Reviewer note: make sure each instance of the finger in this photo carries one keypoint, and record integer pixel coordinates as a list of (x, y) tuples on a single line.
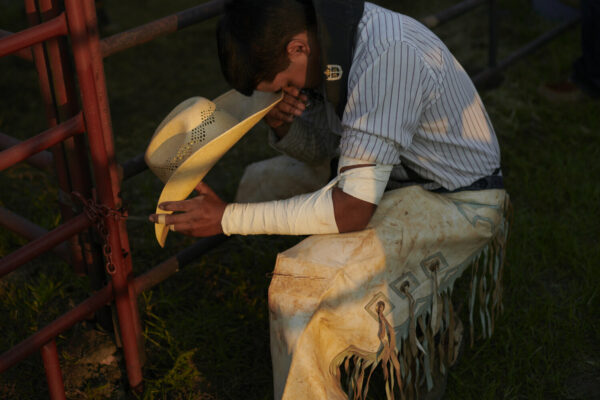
[(296, 108), (301, 95), (175, 219), (272, 118), (203, 189), (278, 114), (273, 122), (292, 90), (182, 227), (297, 101), (303, 98), (157, 218), (184, 205), (299, 104), (207, 194)]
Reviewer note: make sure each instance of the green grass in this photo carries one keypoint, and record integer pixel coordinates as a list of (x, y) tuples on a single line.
[(206, 328)]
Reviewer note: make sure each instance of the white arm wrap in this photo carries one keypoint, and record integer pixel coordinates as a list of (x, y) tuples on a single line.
[(310, 213), (307, 214), (364, 183)]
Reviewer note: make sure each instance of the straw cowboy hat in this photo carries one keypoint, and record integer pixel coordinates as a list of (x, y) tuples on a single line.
[(194, 136)]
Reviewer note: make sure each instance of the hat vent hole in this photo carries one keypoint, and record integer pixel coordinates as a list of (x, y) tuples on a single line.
[(199, 132), (198, 135)]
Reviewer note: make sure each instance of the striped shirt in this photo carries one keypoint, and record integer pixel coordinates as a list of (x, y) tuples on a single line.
[(410, 103)]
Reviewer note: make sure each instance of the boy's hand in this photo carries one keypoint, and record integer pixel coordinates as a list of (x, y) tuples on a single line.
[(292, 105), (199, 216)]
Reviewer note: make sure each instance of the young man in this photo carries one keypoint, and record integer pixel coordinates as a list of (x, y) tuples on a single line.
[(406, 116), (412, 112)]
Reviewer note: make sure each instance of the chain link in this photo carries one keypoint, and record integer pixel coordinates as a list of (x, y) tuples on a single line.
[(98, 213)]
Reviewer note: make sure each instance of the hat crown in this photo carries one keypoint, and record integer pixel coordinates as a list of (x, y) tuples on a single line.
[(187, 128)]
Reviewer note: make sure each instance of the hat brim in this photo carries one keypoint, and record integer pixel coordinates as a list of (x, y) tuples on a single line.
[(248, 110)]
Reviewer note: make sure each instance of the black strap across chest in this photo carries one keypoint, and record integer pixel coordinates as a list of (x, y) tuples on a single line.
[(337, 21)]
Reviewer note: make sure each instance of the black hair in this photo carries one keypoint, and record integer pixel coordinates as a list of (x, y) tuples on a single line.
[(252, 39)]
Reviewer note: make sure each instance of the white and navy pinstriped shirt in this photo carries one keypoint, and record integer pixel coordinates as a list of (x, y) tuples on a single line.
[(409, 103)]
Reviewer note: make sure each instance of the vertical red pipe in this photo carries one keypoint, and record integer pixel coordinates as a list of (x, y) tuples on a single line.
[(40, 64), (75, 161), (88, 84), (102, 98), (67, 104), (54, 378), (89, 10), (60, 165), (65, 100)]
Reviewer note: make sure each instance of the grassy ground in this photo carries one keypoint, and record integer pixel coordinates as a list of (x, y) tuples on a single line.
[(206, 328)]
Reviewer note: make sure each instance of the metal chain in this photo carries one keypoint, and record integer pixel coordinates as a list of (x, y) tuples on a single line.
[(97, 213)]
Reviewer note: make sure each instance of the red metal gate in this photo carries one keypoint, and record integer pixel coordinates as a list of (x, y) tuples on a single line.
[(97, 205)]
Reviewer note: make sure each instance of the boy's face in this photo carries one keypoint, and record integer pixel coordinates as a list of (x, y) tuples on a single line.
[(294, 75), (302, 72)]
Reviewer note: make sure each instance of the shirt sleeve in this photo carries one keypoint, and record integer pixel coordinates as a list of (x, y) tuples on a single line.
[(310, 138), (387, 92)]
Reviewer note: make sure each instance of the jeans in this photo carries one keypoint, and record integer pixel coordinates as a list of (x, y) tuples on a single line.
[(586, 70)]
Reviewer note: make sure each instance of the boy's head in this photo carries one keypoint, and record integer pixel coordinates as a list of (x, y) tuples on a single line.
[(257, 39)]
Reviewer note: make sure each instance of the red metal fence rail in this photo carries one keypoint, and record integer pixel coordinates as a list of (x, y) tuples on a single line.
[(90, 198)]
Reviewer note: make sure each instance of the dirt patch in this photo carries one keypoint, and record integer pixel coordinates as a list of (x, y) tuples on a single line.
[(92, 367)]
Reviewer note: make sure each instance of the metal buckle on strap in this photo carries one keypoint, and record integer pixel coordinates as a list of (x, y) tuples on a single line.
[(333, 72)]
